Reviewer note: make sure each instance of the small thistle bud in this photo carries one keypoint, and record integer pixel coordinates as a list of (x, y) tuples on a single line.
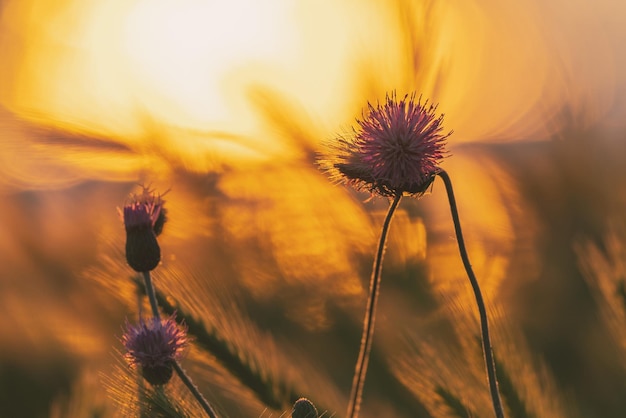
[(303, 408), (395, 149), (154, 345), (144, 219)]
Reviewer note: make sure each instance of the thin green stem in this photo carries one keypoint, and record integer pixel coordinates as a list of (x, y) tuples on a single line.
[(179, 370), (194, 390), (370, 316), (141, 392), (484, 325), (151, 294)]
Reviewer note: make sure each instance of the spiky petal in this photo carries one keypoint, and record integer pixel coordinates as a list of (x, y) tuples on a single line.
[(395, 148), (153, 345)]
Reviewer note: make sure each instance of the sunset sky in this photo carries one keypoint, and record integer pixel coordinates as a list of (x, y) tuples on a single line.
[(225, 108)]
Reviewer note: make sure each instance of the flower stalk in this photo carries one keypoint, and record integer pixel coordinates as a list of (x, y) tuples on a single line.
[(151, 294), (484, 324), (370, 316), (184, 377)]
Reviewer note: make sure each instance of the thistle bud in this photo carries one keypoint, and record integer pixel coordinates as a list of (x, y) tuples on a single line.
[(144, 218), (303, 408)]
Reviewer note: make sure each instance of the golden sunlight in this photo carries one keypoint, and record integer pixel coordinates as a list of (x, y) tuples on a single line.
[(226, 107), (106, 66), (183, 78), (179, 55)]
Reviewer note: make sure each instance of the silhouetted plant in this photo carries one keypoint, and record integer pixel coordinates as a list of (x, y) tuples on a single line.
[(394, 151)]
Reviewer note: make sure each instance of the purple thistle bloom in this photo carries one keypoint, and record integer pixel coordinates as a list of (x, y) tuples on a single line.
[(144, 218), (154, 345), (396, 148), (145, 210)]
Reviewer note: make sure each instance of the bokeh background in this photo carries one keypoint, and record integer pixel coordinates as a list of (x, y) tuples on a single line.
[(226, 105)]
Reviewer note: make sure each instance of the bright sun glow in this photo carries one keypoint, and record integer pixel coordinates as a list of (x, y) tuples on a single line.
[(182, 52), (185, 77), (197, 79)]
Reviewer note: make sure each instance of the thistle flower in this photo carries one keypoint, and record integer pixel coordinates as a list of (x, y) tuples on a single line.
[(154, 345), (395, 149), (144, 219)]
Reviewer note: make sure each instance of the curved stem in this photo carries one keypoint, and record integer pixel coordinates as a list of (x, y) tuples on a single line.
[(370, 315), (151, 295), (484, 325), (179, 370), (141, 392), (194, 390)]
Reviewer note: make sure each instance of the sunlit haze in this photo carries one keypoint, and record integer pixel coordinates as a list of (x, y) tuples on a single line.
[(500, 72), (226, 108)]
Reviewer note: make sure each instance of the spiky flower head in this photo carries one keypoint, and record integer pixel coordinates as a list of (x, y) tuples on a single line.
[(153, 345), (144, 218), (396, 148)]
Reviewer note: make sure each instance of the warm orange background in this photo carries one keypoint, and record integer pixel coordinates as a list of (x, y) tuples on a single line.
[(227, 105)]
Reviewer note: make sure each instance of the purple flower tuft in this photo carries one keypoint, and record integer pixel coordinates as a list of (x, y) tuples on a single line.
[(144, 211), (154, 345), (396, 148)]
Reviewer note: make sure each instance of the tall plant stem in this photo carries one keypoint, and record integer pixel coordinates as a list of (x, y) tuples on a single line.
[(484, 325), (151, 294), (179, 370), (370, 316), (194, 390)]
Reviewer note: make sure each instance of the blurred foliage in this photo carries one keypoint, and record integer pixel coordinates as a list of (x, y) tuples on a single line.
[(269, 261)]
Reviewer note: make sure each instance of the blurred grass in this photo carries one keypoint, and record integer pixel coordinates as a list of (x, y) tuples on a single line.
[(554, 307), (271, 261)]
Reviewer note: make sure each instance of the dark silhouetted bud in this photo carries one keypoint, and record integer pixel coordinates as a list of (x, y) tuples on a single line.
[(144, 218), (303, 408)]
